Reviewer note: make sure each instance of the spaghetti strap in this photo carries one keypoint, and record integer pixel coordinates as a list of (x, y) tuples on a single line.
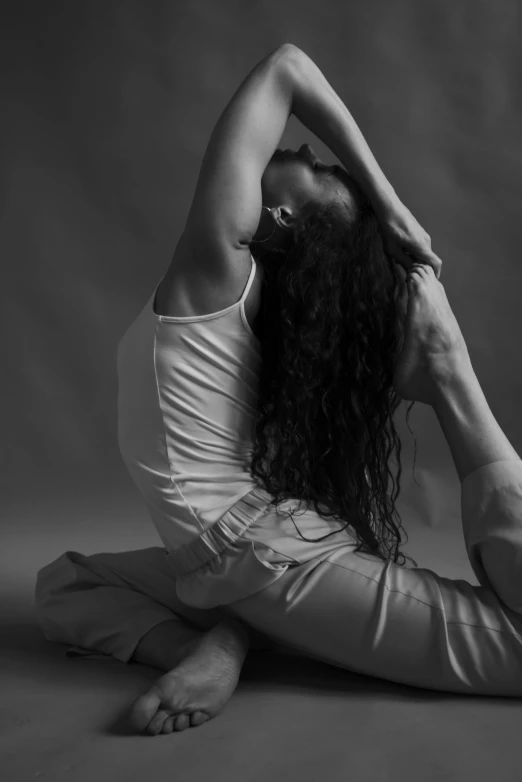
[(250, 281)]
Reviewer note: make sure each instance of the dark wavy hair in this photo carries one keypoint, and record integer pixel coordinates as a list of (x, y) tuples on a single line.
[(331, 328)]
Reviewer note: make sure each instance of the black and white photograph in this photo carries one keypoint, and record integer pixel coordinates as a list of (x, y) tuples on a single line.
[(262, 431)]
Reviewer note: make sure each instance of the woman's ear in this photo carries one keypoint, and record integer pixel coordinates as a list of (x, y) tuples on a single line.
[(283, 216)]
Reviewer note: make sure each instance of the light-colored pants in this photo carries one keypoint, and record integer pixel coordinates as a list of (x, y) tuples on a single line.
[(320, 599)]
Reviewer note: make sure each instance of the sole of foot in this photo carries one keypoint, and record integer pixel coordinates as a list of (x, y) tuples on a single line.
[(194, 691)]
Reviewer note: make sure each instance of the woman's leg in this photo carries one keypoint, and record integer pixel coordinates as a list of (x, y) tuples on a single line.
[(490, 472), (436, 363), (108, 602), (412, 625), (471, 430), (125, 605)]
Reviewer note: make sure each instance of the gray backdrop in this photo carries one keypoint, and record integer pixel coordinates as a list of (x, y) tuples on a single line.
[(107, 111)]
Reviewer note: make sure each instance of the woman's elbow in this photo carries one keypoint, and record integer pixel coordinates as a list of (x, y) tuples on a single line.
[(289, 51)]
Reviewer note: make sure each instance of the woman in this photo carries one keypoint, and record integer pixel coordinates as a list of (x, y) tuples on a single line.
[(256, 394)]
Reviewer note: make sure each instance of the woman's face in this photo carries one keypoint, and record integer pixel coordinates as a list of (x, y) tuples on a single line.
[(295, 178)]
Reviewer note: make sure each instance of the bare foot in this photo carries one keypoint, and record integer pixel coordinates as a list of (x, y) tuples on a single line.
[(198, 688), (434, 348)]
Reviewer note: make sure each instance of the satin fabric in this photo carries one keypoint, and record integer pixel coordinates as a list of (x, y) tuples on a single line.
[(316, 599)]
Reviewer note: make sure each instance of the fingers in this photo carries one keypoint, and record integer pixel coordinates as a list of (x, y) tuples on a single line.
[(420, 270), (434, 262), (417, 274), (429, 260)]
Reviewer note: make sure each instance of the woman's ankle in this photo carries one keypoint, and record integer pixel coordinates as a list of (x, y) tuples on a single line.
[(473, 434)]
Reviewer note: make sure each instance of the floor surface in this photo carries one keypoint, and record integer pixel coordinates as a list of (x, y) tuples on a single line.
[(290, 719)]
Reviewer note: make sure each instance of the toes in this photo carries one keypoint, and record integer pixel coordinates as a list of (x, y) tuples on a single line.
[(144, 709), (168, 725), (156, 724), (182, 722), (198, 718)]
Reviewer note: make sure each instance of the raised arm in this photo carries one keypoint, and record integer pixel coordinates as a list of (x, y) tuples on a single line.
[(226, 208), (227, 201)]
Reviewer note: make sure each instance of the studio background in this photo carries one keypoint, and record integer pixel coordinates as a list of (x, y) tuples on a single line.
[(108, 108)]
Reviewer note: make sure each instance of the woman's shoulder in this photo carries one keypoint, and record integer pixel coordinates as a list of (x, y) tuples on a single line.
[(199, 281)]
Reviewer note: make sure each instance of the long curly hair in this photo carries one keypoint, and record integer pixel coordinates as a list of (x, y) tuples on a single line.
[(332, 328)]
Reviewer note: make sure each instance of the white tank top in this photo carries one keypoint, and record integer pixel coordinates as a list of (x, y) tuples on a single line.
[(187, 404)]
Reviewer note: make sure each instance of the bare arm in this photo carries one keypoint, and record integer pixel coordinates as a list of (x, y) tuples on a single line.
[(227, 203), (316, 104)]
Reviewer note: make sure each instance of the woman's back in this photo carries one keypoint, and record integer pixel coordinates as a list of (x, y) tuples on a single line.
[(187, 405)]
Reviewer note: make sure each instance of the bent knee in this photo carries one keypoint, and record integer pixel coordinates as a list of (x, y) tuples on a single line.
[(52, 582)]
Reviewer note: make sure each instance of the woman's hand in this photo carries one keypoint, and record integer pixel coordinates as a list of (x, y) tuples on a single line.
[(406, 241)]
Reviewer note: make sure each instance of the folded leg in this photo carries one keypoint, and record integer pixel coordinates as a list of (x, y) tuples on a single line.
[(108, 602)]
